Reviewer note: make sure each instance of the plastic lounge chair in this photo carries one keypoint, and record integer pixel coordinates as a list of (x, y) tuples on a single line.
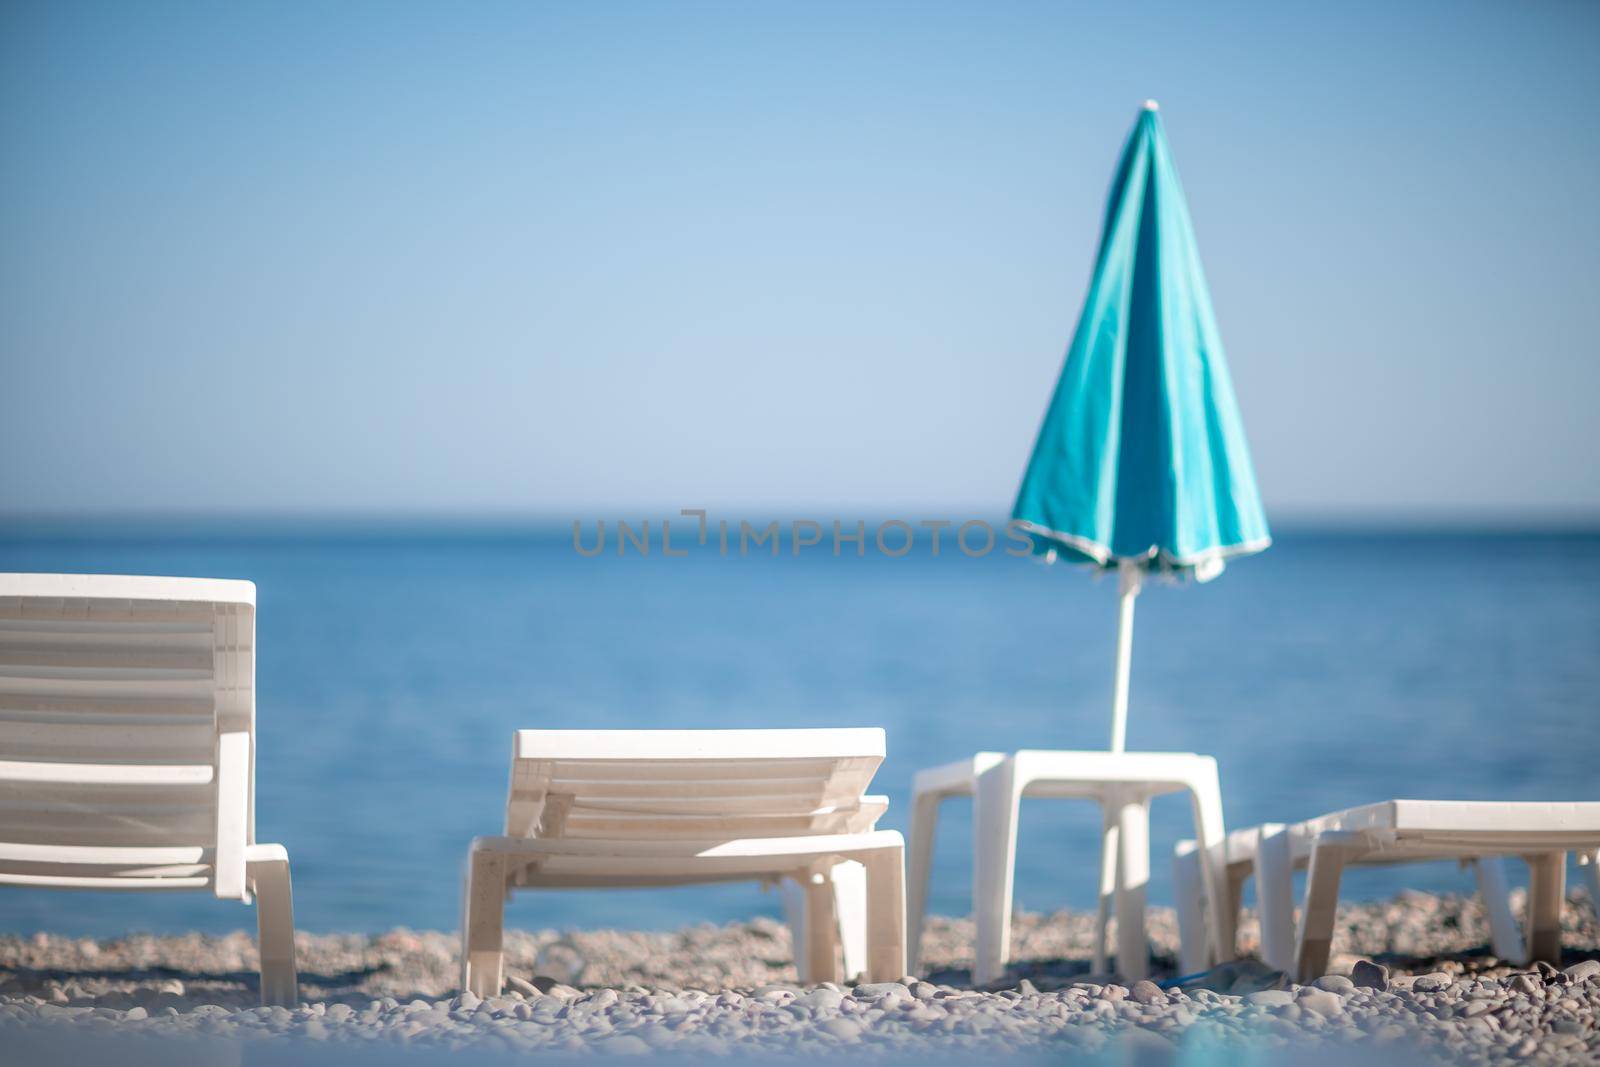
[(1249, 849), (1400, 831), (1123, 783), (127, 745), (598, 808)]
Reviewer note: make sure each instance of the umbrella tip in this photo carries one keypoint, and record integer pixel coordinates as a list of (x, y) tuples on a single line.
[(1151, 105)]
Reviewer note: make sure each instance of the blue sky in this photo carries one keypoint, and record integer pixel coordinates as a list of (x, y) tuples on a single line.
[(565, 259)]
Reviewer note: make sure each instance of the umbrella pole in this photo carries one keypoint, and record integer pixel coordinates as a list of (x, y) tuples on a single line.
[(1129, 578)]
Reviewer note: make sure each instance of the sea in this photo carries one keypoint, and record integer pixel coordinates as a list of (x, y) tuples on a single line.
[(1340, 667)]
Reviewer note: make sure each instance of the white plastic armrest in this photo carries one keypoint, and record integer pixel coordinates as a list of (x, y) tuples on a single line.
[(867, 815)]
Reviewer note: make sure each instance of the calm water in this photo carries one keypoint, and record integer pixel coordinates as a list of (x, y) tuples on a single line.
[(1334, 670)]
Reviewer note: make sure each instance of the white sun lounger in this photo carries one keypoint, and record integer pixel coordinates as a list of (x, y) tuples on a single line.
[(1399, 831), (598, 808), (127, 745)]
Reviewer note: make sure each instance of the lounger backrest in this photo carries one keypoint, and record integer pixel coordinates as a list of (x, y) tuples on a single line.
[(127, 719), (695, 784)]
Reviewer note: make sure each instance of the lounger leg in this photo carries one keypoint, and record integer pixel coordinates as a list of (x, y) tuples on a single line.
[(1109, 839), (1133, 869), (1548, 876), (924, 821), (1590, 864), (483, 924), (792, 894), (822, 933), (850, 904), (1328, 858), (886, 914), (1274, 872), (269, 877), (1504, 937), (1234, 895), (1222, 910), (1186, 886), (994, 866)]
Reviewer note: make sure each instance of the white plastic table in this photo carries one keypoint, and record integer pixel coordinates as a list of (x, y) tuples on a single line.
[(1123, 783)]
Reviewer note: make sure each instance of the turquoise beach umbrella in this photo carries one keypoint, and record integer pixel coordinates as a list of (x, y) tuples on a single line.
[(1141, 464)]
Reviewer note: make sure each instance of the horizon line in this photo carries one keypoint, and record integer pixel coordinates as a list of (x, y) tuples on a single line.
[(45, 524)]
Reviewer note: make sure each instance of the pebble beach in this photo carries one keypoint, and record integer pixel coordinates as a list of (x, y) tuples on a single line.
[(1410, 973)]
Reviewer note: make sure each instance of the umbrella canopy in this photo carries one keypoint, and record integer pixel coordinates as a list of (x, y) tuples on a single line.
[(1141, 463), (1141, 460)]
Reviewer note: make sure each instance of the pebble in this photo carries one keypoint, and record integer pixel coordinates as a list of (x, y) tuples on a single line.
[(1321, 1001), (523, 986), (873, 990), (1368, 975), (1431, 983), (823, 1000), (1147, 992), (1586, 971)]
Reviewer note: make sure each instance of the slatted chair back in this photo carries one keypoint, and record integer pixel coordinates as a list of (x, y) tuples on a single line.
[(692, 784), (127, 732)]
